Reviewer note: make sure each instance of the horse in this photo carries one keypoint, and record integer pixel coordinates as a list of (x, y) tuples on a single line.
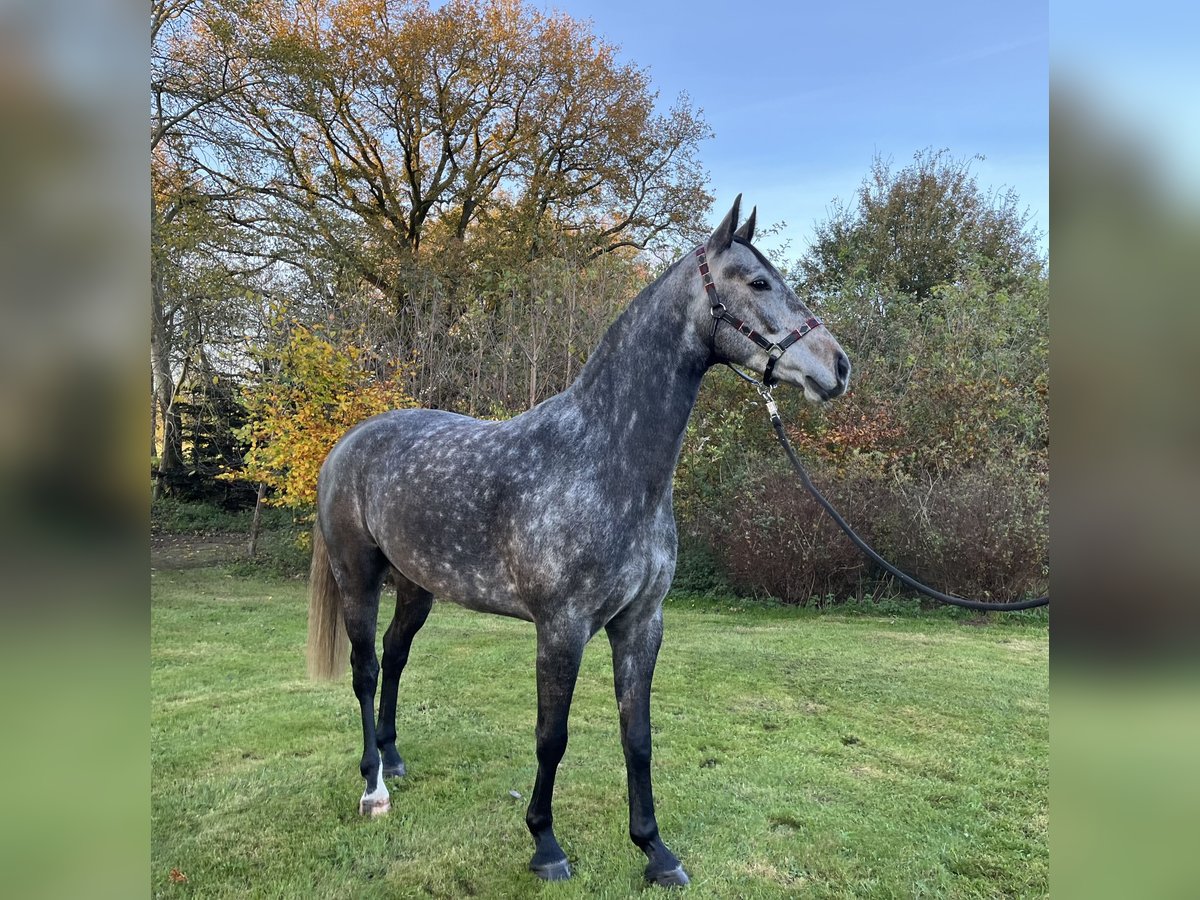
[(561, 516)]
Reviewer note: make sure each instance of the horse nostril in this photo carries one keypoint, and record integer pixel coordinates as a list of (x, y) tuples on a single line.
[(843, 367)]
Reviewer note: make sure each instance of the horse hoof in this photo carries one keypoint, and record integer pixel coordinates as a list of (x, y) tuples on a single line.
[(374, 808), (552, 871), (394, 771), (675, 877)]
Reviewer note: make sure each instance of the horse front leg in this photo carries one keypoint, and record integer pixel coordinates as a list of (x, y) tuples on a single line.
[(635, 638), (560, 650)]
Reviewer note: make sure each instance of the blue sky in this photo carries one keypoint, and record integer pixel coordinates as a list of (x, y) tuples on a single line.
[(802, 96)]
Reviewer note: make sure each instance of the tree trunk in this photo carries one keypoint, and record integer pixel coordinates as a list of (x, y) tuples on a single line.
[(170, 456), (254, 523)]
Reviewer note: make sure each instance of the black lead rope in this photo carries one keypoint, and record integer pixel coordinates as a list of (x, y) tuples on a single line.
[(953, 600)]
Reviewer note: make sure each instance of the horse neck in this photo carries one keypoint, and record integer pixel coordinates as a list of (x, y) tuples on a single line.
[(640, 384)]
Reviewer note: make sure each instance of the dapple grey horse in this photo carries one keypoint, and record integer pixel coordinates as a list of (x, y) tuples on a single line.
[(560, 516)]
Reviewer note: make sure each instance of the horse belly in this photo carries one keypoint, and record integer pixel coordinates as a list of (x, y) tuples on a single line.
[(453, 546), (455, 563), (470, 585)]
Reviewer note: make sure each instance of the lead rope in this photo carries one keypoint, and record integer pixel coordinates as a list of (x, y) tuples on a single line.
[(777, 422)]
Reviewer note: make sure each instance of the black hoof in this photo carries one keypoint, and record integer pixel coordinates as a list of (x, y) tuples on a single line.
[(675, 877), (551, 871), (396, 771)]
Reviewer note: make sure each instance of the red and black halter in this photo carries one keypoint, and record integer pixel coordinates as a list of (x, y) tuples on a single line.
[(720, 314)]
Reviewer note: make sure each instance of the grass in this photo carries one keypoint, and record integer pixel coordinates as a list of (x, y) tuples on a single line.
[(796, 754)]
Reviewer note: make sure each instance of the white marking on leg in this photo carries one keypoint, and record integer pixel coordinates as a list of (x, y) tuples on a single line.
[(375, 802)]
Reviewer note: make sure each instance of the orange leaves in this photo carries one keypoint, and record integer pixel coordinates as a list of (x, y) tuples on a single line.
[(863, 431), (421, 123), (315, 392)]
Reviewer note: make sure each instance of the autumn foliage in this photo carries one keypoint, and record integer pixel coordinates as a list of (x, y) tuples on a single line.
[(312, 394)]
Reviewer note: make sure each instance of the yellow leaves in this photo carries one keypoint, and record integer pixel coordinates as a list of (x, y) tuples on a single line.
[(316, 392)]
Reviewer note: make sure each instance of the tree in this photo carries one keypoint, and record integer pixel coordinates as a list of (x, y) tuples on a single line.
[(194, 280), (910, 231), (392, 116), (940, 294), (190, 270), (310, 393), (465, 189)]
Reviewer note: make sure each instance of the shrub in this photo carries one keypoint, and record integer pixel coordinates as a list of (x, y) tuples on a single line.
[(981, 534), (174, 516), (285, 551), (312, 394), (697, 570)]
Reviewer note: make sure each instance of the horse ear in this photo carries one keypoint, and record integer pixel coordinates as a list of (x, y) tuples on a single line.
[(746, 231), (723, 236)]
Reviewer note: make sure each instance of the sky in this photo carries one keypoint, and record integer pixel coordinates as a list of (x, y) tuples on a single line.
[(803, 96)]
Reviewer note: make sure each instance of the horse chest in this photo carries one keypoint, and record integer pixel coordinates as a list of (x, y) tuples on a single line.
[(601, 550)]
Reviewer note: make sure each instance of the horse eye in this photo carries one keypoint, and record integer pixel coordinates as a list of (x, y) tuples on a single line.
[(760, 284)]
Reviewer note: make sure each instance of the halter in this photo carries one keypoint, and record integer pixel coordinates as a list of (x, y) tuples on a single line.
[(720, 314)]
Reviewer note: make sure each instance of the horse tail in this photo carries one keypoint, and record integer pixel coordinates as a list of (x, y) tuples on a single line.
[(328, 645)]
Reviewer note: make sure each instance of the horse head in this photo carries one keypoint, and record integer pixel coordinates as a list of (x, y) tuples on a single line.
[(757, 321)]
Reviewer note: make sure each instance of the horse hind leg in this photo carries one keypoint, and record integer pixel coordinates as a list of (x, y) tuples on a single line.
[(413, 603), (359, 572)]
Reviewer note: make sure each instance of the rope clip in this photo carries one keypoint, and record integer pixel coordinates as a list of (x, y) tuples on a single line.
[(772, 409)]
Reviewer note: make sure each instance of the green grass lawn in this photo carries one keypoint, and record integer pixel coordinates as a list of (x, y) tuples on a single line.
[(796, 754)]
